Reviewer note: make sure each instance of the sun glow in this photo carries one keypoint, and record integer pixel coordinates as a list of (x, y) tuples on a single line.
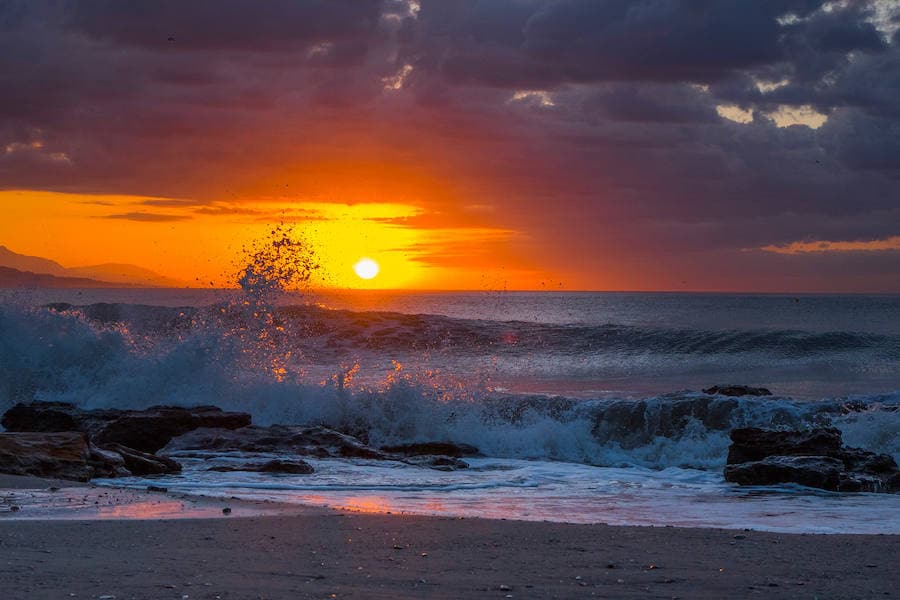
[(366, 268), (200, 243)]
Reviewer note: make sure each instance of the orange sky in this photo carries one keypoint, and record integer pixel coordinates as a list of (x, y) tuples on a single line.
[(203, 246), (463, 145)]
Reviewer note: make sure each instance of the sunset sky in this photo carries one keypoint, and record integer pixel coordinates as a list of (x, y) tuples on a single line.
[(520, 144)]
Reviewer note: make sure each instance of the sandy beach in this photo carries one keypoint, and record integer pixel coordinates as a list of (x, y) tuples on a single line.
[(320, 553)]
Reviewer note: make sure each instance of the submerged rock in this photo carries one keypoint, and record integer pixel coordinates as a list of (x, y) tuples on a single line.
[(750, 443), (812, 471), (815, 458), (436, 462), (293, 467), (143, 463), (441, 456), (635, 423), (315, 441), (107, 463), (433, 448), (144, 430), (737, 390)]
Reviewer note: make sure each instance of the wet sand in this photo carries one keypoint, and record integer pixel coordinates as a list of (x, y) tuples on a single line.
[(319, 553), (32, 498)]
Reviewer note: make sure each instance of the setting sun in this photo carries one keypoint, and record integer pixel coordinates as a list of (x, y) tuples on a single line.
[(366, 268)]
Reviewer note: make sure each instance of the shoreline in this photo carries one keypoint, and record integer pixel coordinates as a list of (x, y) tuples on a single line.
[(315, 552), (28, 498)]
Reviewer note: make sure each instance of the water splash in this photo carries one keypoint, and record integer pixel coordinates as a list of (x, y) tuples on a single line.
[(281, 262), (407, 377)]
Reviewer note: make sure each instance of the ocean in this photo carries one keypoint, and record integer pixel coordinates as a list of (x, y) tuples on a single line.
[(587, 407)]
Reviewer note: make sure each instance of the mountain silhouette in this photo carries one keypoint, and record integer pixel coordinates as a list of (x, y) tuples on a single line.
[(103, 274)]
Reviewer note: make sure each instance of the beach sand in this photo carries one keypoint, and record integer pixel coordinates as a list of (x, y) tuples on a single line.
[(320, 553)]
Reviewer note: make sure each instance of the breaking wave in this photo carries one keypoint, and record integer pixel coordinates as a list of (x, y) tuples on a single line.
[(301, 364)]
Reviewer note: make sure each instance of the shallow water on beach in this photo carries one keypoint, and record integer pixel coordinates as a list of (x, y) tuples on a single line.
[(542, 491), (105, 503)]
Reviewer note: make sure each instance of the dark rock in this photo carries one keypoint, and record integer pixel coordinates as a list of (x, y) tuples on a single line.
[(359, 432), (856, 459), (634, 423), (861, 482), (143, 463), (43, 416), (439, 463), (737, 390), (813, 471), (71, 455), (813, 458), (434, 448), (151, 430), (58, 455), (892, 482), (751, 444), (145, 430), (107, 463), (294, 467), (315, 441), (53, 417)]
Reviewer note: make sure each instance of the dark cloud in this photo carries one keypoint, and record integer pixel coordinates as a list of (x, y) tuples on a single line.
[(143, 217), (654, 103), (590, 126), (225, 24), (550, 43)]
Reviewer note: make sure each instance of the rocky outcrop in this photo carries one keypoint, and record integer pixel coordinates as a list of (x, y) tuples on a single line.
[(441, 456), (66, 455), (812, 471), (436, 462), (69, 455), (60, 440), (433, 448), (293, 467), (815, 458), (737, 390), (634, 423), (750, 443), (106, 463), (143, 464), (143, 430), (122, 442), (316, 441)]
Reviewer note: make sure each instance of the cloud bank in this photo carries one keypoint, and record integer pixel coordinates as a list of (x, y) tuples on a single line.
[(651, 144)]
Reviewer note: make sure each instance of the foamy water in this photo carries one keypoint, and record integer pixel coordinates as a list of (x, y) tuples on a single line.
[(544, 491)]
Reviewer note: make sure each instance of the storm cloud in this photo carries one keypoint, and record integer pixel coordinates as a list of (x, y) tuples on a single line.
[(652, 144)]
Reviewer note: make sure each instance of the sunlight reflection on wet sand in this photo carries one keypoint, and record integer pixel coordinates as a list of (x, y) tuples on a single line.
[(115, 503)]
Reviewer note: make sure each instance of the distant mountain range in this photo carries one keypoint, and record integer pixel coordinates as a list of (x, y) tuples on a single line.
[(42, 272), (14, 278)]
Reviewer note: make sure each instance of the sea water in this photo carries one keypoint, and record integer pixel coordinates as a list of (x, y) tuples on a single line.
[(586, 406)]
